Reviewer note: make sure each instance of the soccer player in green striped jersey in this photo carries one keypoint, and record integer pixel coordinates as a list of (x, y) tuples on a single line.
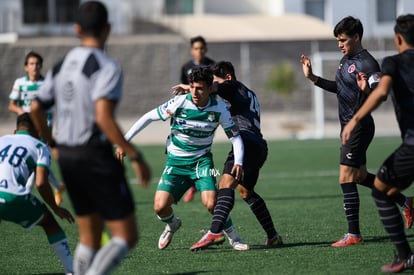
[(21, 155), (23, 92), (195, 118)]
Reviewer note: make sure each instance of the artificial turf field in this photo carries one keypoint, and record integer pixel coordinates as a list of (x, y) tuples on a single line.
[(299, 185)]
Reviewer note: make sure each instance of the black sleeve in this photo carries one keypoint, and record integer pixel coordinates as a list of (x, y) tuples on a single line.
[(327, 85), (388, 66)]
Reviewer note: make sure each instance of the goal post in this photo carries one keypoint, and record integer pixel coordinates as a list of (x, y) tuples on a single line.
[(318, 59)]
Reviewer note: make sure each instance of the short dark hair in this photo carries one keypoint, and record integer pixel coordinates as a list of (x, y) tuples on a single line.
[(404, 25), (24, 121), (92, 17), (222, 68), (198, 38), (35, 55), (349, 26), (201, 74)]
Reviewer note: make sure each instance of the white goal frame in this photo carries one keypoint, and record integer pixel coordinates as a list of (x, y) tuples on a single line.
[(318, 59)]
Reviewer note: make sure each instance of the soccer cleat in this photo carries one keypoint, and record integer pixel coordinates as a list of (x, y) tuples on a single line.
[(409, 213), (239, 245), (207, 240), (189, 195), (347, 240), (275, 241), (58, 194), (399, 265), (168, 233)]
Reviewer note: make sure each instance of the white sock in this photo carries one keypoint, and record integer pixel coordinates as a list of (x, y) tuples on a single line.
[(171, 220), (231, 233), (108, 257), (83, 258), (62, 250)]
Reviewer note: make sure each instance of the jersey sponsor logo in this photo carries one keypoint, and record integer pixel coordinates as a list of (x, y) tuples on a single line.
[(349, 156), (351, 68), (211, 116), (181, 121)]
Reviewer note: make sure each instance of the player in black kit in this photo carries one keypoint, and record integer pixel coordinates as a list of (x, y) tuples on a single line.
[(199, 58), (352, 169), (396, 173), (245, 111)]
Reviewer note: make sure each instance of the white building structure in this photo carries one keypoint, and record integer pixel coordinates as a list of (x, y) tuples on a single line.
[(55, 17)]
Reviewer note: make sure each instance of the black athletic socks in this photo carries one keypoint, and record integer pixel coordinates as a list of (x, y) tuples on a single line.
[(392, 221), (259, 208), (225, 203), (351, 206)]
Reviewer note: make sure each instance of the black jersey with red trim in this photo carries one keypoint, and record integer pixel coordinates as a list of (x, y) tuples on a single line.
[(400, 68), (350, 97), (244, 107)]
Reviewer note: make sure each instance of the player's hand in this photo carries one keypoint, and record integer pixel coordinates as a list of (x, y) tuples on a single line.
[(238, 172), (348, 129), (180, 89), (306, 66), (119, 154), (361, 79), (142, 171), (63, 213)]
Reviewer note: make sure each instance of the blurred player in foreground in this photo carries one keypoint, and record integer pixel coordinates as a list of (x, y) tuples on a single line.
[(24, 91), (352, 168), (195, 118), (22, 155), (396, 173), (86, 86)]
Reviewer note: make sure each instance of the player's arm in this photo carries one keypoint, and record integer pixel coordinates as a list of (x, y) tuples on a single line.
[(180, 89), (39, 118), (46, 192), (367, 83), (372, 102), (325, 84), (238, 150), (104, 109), (14, 107), (141, 123), (14, 97)]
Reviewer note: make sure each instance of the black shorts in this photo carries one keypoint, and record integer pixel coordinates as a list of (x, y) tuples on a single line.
[(398, 169), (255, 154), (354, 151), (95, 181)]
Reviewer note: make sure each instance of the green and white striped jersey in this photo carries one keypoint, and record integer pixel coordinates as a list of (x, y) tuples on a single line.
[(193, 128), (24, 91), (20, 154)]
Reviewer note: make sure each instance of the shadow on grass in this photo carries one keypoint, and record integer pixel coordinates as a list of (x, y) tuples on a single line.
[(192, 272), (311, 197), (367, 239)]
